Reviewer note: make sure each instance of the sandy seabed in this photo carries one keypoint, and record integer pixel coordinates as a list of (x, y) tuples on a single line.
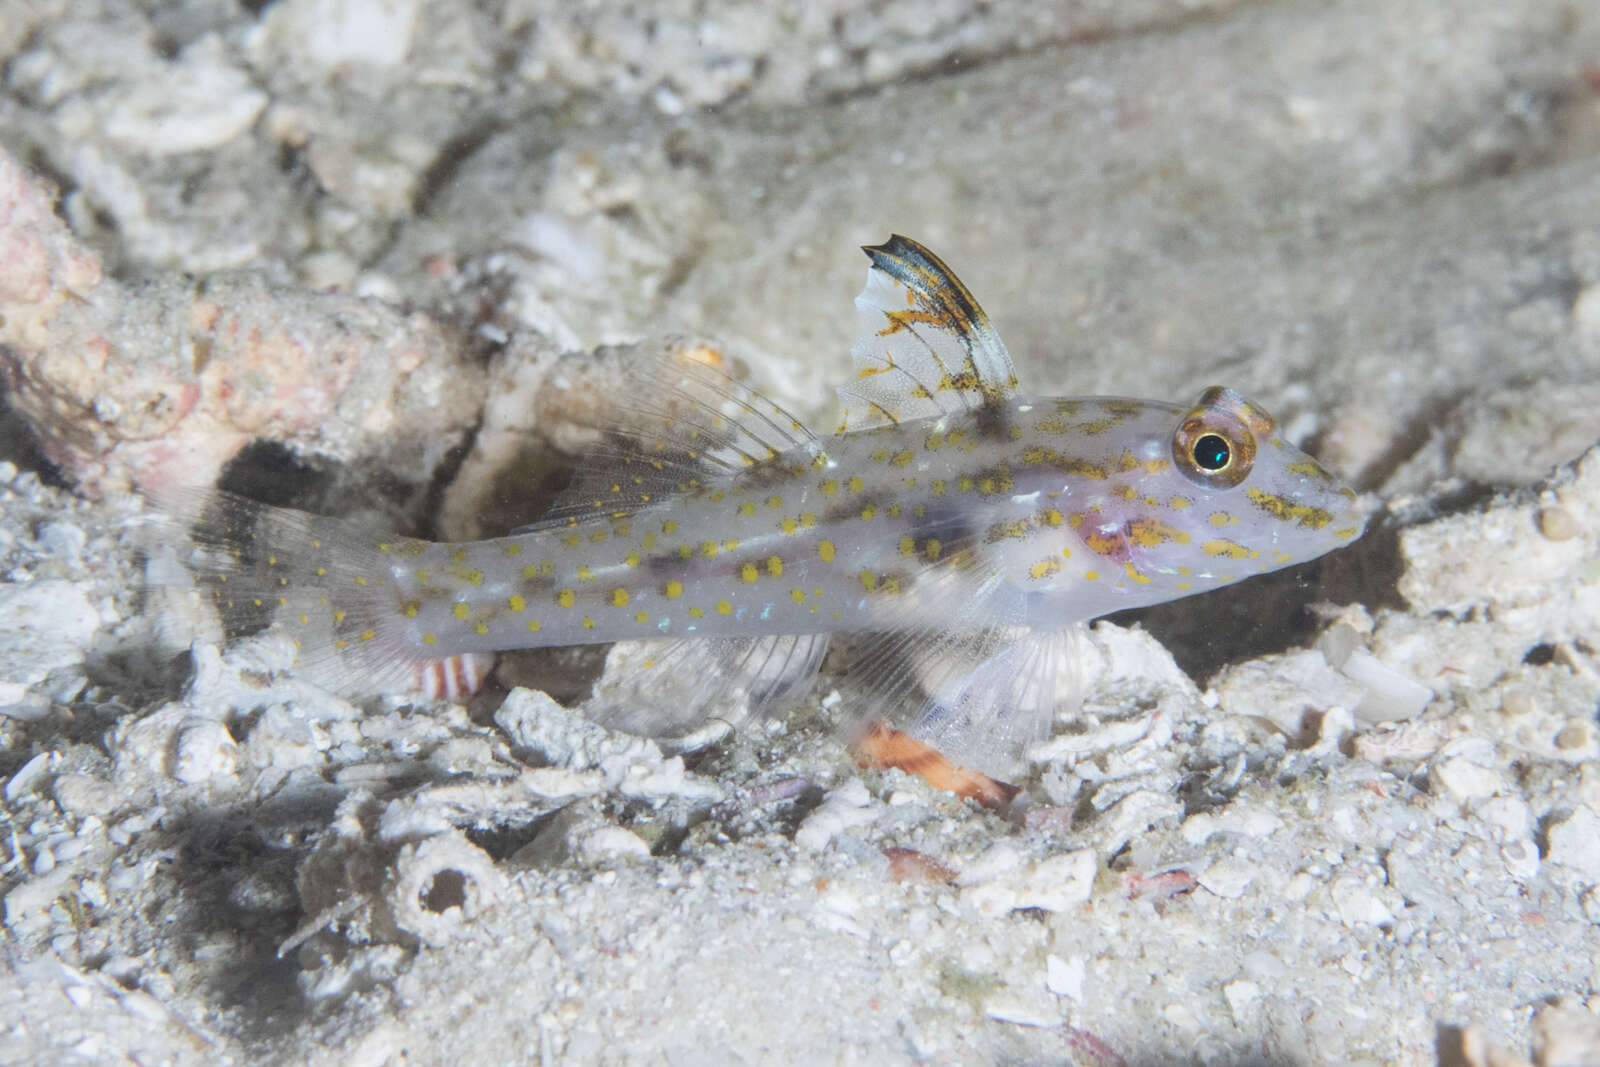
[(337, 252)]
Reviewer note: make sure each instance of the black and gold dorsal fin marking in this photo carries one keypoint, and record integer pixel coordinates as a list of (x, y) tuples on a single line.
[(926, 348)]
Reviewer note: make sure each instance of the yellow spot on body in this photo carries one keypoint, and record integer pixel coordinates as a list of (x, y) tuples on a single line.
[(631, 559), (530, 571), (669, 527), (903, 458), (515, 602), (774, 502), (775, 566), (730, 545), (641, 616), (360, 580), (598, 536), (1184, 586), (748, 508), (512, 548), (1222, 518), (932, 548), (384, 546), (869, 581), (685, 551), (588, 623), (965, 483), (460, 610), (869, 512), (1231, 549), (1152, 532), (566, 598), (724, 608), (1044, 568), (673, 590), (584, 573), (459, 556), (1309, 468), (481, 628), (533, 626), (1134, 573), (428, 639), (825, 551), (880, 456), (797, 595), (1126, 492), (1310, 517), (1050, 517), (1092, 576), (475, 577), (697, 613), (648, 541), (619, 598), (937, 486), (788, 526), (573, 540), (305, 620), (708, 549), (808, 519), (856, 484), (748, 572), (410, 610), (1157, 466), (829, 487), (1178, 503), (1344, 533), (908, 546), (338, 616)]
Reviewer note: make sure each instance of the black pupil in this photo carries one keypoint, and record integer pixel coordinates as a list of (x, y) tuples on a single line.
[(1211, 453)]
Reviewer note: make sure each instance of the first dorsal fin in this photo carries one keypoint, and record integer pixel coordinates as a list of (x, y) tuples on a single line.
[(926, 348)]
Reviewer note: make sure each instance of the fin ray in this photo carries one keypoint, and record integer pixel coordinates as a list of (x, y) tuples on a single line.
[(678, 418)]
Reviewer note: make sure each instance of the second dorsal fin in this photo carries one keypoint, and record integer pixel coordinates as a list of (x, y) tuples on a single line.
[(676, 419), (926, 346)]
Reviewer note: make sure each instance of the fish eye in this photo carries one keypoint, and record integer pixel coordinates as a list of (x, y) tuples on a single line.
[(1211, 453), (1214, 447)]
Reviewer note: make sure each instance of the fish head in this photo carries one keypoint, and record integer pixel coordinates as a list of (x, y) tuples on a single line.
[(1170, 502)]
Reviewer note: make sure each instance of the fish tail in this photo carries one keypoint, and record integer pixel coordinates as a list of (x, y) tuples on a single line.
[(325, 583)]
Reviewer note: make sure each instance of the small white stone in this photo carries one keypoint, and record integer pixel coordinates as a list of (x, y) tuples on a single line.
[(1241, 997), (205, 750), (1356, 903), (611, 843), (998, 860), (1463, 780), (1240, 817), (1575, 843), (1058, 883), (1228, 877), (846, 806), (1509, 818), (1065, 978)]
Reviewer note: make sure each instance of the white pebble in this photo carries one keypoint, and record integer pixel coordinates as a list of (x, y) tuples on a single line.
[(1228, 877), (1463, 780), (611, 843), (1575, 843), (205, 751), (1065, 978)]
